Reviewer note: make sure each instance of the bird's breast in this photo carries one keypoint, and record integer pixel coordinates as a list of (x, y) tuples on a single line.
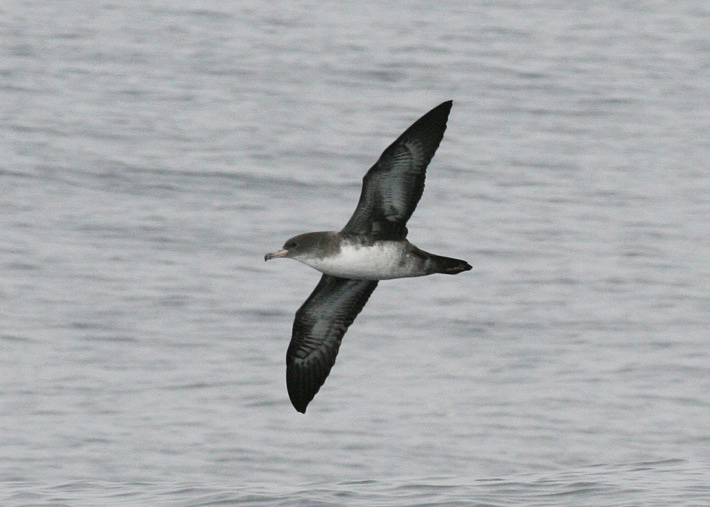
[(382, 260)]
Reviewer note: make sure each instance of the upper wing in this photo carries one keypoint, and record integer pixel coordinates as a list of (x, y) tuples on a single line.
[(392, 188), (318, 329)]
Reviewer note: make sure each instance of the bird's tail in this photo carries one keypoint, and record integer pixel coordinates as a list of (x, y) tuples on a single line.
[(448, 265)]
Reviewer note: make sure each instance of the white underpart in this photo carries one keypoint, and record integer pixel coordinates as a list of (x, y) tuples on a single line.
[(385, 260)]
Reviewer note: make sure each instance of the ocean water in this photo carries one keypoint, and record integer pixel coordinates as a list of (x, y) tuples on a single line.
[(152, 152)]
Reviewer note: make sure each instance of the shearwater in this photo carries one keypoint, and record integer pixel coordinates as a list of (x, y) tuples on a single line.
[(372, 246)]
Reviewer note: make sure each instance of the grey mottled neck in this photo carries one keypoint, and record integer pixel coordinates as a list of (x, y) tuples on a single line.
[(322, 244)]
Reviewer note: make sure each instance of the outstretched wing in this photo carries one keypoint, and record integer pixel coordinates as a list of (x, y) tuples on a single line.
[(392, 188), (318, 329)]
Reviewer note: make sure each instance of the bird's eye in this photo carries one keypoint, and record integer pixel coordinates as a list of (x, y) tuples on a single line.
[(291, 244)]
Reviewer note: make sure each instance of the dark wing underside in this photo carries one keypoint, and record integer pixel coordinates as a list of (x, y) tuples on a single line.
[(392, 188), (318, 329)]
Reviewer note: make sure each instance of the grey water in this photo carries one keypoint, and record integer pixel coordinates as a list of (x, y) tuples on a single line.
[(152, 152)]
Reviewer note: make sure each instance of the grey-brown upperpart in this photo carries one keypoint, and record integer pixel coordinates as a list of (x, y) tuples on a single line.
[(372, 246), (319, 244)]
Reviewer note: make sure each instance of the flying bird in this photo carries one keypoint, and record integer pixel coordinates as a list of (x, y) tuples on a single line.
[(371, 247)]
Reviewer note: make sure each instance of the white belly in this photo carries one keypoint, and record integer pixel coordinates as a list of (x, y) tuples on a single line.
[(384, 260)]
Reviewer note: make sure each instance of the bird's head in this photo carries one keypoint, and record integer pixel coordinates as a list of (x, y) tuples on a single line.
[(298, 247)]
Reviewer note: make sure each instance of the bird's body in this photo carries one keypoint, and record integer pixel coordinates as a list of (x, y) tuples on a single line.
[(379, 260), (359, 257), (371, 247)]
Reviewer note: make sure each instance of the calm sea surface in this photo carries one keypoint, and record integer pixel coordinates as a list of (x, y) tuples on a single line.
[(152, 152)]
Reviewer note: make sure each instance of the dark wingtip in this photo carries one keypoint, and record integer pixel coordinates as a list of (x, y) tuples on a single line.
[(444, 106), (299, 394), (429, 130), (299, 405)]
